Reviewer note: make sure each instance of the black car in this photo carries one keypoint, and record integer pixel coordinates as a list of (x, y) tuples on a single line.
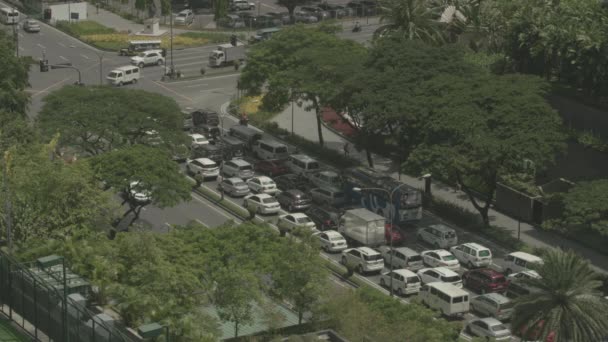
[(294, 200), (291, 181), (324, 219), (205, 117)]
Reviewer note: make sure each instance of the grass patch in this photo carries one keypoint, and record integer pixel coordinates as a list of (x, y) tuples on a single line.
[(84, 28), (212, 37)]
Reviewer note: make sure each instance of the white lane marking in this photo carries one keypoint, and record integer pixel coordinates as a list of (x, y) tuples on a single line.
[(197, 85), (84, 56), (213, 207), (41, 46), (211, 90), (60, 43), (65, 59), (200, 222)]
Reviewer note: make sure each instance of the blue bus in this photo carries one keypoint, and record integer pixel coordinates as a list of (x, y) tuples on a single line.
[(407, 201)]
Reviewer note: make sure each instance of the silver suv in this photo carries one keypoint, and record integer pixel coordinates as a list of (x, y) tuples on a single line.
[(185, 17), (150, 57)]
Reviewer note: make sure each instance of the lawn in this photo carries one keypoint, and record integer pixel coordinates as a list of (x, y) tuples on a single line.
[(9, 334), (107, 38)]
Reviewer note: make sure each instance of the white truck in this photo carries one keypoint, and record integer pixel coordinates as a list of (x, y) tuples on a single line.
[(226, 54), (363, 226)]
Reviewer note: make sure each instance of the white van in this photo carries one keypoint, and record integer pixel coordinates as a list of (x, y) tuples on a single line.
[(123, 75), (9, 16), (237, 168), (472, 254), (520, 261), (269, 149), (445, 297), (301, 163), (438, 235)]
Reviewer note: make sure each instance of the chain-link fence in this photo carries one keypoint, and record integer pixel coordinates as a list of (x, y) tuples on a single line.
[(31, 294)]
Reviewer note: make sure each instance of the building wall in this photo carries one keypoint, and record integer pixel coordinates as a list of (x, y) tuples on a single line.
[(61, 11)]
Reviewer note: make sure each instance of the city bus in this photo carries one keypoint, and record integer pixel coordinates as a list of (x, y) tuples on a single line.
[(9, 16), (406, 205)]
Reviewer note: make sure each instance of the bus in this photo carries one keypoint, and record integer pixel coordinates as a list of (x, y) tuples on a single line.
[(406, 205), (9, 16)]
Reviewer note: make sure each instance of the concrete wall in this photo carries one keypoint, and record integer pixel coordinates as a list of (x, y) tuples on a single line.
[(61, 11)]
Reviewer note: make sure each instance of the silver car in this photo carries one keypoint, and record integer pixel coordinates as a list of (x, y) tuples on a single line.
[(31, 26), (234, 187), (489, 327), (493, 304)]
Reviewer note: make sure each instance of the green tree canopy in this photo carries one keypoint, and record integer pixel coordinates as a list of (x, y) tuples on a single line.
[(155, 175), (482, 126), (412, 19), (100, 119), (291, 5), (586, 206), (14, 71)]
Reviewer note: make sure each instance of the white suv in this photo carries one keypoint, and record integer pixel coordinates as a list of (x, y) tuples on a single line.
[(363, 259), (262, 184), (207, 168), (438, 236), (150, 57), (472, 254)]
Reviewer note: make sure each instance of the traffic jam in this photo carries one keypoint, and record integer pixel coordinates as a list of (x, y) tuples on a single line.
[(365, 220)]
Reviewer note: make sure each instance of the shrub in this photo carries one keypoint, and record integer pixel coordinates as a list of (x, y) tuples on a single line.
[(83, 28)]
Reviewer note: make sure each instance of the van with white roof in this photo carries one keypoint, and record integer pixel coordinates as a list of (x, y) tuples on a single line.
[(520, 261), (472, 254), (445, 297), (123, 75)]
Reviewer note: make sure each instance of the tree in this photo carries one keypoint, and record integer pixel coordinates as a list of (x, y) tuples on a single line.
[(145, 171), (50, 197), (100, 119), (291, 5), (482, 126), (413, 19), (235, 293), (302, 64), (14, 71), (567, 303), (220, 9), (586, 206)]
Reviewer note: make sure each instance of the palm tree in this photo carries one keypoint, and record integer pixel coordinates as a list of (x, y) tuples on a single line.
[(415, 19), (567, 304)]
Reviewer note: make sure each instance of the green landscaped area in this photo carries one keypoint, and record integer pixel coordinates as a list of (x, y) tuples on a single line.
[(107, 38), (8, 333)]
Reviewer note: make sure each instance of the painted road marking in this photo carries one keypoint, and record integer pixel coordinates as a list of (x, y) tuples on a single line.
[(84, 56), (197, 85), (173, 91), (214, 208), (269, 6), (65, 59), (60, 43), (41, 46)]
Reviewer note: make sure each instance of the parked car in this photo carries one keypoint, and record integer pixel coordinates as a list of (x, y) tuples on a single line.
[(331, 197), (290, 221), (472, 254), (262, 204), (331, 241), (294, 200), (204, 167), (234, 187), (493, 304), (185, 17), (305, 17), (518, 287), (489, 327), (31, 26), (363, 259), (440, 258), (242, 5), (318, 12), (150, 57), (262, 184), (438, 236), (271, 168), (404, 281), (139, 192), (440, 274), (237, 168), (205, 117), (290, 181), (527, 274), (231, 21), (324, 219), (520, 261), (485, 280), (198, 139), (403, 257), (326, 179)]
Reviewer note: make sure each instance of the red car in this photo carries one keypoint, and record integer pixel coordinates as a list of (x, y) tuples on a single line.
[(271, 167), (397, 235), (485, 280)]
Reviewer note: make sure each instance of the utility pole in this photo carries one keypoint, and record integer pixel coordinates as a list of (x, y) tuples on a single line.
[(171, 38), (16, 35)]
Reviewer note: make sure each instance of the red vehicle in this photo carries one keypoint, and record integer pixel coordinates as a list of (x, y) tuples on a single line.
[(398, 237), (534, 333), (271, 167), (485, 280)]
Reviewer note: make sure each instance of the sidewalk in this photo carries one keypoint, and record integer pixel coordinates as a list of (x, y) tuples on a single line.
[(305, 125)]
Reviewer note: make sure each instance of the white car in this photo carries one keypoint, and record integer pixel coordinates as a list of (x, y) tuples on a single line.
[(403, 257), (234, 187), (243, 5), (198, 139), (150, 57), (363, 259), (440, 258), (262, 204), (290, 221), (527, 274), (205, 167), (185, 17), (331, 241), (262, 184), (440, 275), (490, 328), (404, 281), (139, 192), (472, 254)]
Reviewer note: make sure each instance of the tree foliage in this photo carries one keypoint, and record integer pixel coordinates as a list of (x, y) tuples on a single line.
[(100, 119), (412, 19), (149, 167), (14, 71), (567, 305), (291, 5), (586, 206)]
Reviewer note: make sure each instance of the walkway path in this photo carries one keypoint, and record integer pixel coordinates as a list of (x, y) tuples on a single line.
[(305, 126)]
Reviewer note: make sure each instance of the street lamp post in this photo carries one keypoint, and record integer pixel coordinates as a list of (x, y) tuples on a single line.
[(16, 35), (391, 213), (64, 66), (100, 55), (172, 71)]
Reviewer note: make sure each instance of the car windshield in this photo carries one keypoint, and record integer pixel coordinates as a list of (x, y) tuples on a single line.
[(240, 184), (282, 149), (450, 235), (507, 305), (113, 75), (210, 166), (336, 238), (269, 200), (451, 279), (181, 15), (141, 54), (313, 165), (372, 257), (484, 253), (412, 280), (498, 327), (303, 220), (414, 258), (200, 140), (246, 167), (448, 257)]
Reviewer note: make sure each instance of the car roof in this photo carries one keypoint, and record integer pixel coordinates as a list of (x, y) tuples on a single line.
[(263, 178), (205, 161), (405, 272), (526, 256), (496, 297), (333, 233), (474, 245), (328, 173), (302, 157), (438, 251), (489, 320), (442, 227), (367, 250), (488, 271), (449, 288), (299, 215), (261, 196), (445, 271), (406, 251), (239, 162), (234, 179), (197, 135)]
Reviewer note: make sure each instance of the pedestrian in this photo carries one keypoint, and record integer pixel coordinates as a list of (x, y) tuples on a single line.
[(346, 149), (244, 119)]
